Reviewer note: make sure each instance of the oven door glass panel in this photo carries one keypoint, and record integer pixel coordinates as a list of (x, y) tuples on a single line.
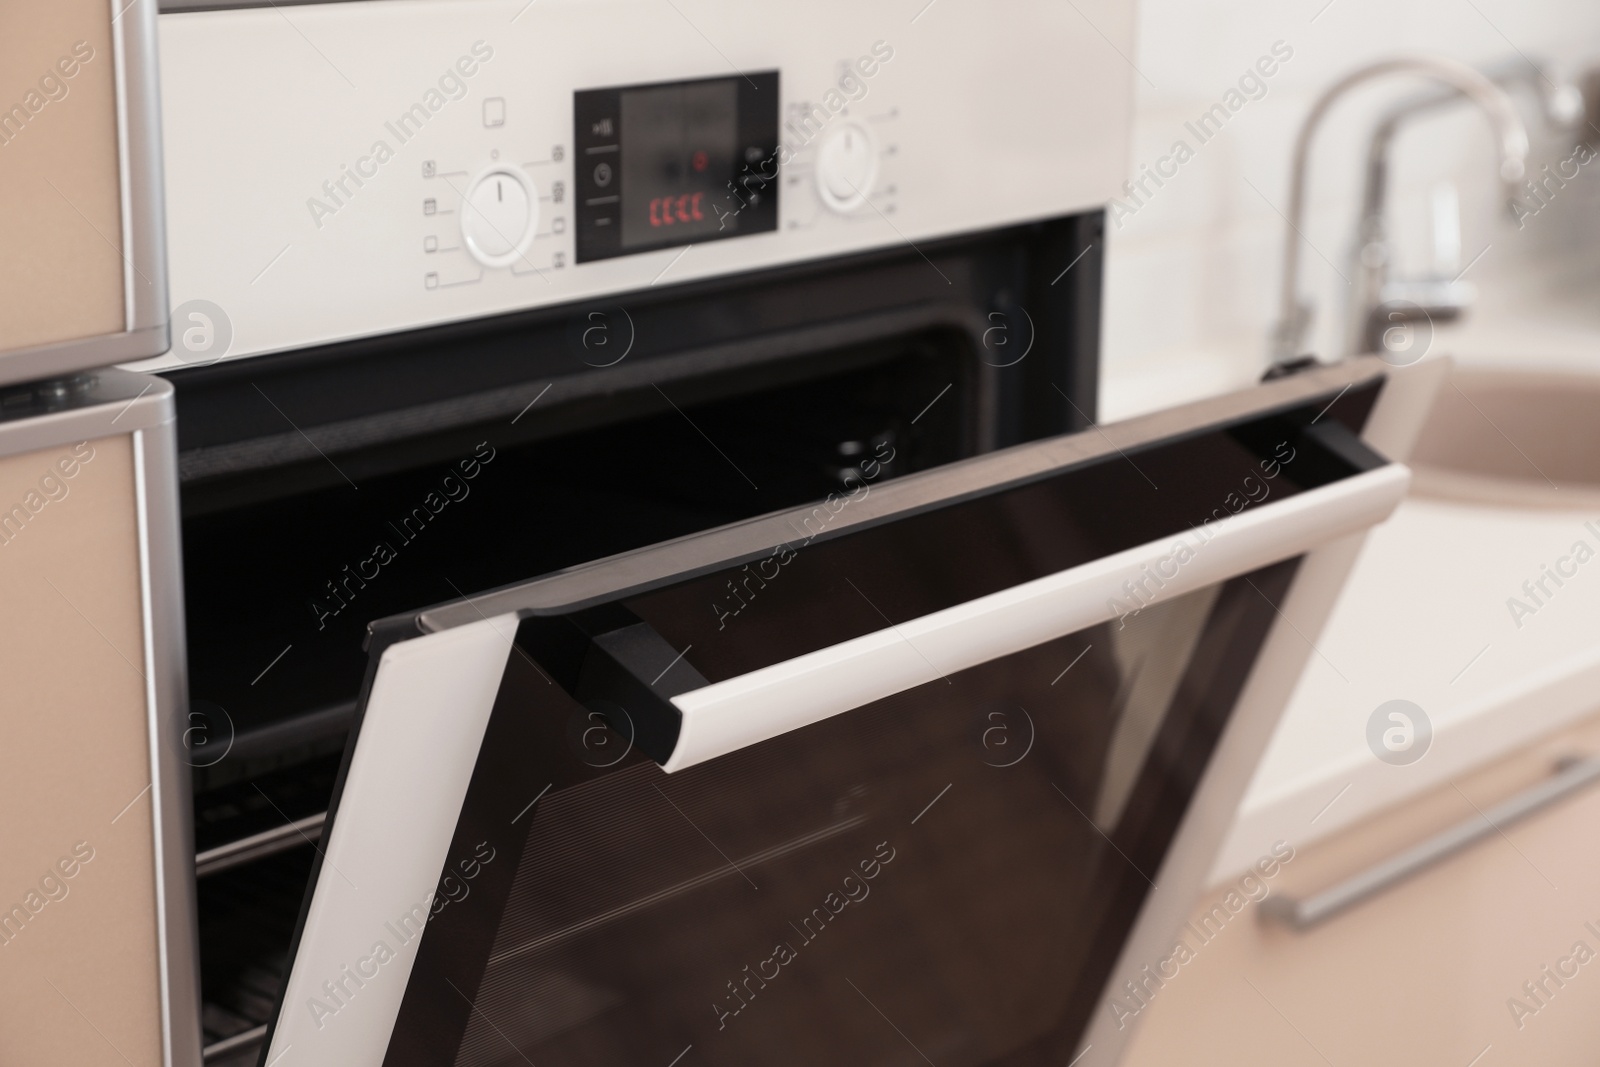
[(949, 870), (954, 727)]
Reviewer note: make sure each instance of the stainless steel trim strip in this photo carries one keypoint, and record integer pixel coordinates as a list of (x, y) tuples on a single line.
[(112, 402), (65, 357), (161, 561), (258, 846), (160, 767), (174, 7), (728, 546), (144, 225), (1570, 777), (125, 90)]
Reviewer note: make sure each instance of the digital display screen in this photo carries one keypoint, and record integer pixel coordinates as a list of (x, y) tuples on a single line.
[(677, 163), (682, 141)]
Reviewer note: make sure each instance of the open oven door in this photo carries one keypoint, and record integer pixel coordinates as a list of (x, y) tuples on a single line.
[(887, 780)]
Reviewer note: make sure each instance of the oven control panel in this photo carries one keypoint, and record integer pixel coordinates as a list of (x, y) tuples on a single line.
[(345, 170)]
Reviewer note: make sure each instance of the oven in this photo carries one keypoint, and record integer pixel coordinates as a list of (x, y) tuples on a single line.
[(771, 405), (655, 583)]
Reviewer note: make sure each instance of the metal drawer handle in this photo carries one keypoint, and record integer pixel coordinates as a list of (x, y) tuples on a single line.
[(1572, 774)]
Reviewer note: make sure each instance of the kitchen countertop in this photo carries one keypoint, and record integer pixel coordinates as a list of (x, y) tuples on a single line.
[(1424, 618)]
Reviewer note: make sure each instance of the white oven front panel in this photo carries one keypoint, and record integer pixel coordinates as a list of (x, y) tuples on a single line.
[(320, 158)]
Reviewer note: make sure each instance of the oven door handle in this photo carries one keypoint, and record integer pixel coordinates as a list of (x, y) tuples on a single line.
[(680, 719)]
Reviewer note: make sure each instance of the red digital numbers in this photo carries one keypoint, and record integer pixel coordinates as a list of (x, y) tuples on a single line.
[(672, 210)]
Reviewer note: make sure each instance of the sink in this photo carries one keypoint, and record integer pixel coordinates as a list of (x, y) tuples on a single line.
[(1513, 438)]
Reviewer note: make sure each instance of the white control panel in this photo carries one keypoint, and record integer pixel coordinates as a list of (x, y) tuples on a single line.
[(342, 170)]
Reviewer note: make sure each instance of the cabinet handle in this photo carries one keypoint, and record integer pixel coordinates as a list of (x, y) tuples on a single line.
[(1572, 774)]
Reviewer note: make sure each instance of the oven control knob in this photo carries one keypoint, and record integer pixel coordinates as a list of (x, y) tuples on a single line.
[(847, 165), (499, 216)]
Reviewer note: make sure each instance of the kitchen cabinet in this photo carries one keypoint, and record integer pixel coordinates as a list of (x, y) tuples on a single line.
[(1490, 956), (96, 911)]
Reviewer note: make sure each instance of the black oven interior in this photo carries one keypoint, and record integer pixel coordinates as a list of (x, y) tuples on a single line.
[(323, 489)]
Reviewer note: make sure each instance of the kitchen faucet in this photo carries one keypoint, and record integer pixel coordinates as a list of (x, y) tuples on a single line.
[(1510, 136), (1382, 302)]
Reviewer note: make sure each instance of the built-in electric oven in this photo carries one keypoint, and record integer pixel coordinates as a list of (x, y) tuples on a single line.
[(814, 385), (774, 660)]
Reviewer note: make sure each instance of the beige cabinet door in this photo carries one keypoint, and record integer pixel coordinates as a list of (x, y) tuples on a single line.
[(97, 943), (83, 266), (1490, 957)]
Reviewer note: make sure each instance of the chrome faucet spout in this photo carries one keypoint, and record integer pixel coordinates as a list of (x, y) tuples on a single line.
[(1511, 140), (1379, 300)]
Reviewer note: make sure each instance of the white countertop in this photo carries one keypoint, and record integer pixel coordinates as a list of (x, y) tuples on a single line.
[(1424, 618)]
